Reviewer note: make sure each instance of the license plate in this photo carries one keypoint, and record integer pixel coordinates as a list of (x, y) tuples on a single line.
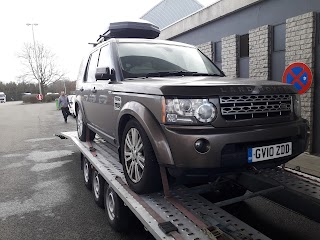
[(258, 154)]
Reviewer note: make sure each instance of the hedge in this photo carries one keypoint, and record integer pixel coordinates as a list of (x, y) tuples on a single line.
[(51, 97), (32, 98)]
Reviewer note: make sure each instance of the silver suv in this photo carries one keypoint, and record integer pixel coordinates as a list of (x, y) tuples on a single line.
[(163, 102)]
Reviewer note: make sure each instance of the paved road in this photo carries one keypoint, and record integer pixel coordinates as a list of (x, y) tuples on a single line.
[(42, 195)]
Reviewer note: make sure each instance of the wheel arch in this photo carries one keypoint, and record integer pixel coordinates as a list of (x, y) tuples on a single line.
[(151, 126)]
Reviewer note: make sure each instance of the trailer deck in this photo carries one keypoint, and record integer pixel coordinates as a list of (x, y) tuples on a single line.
[(186, 214)]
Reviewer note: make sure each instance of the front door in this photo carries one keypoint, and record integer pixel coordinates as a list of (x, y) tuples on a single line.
[(105, 118)]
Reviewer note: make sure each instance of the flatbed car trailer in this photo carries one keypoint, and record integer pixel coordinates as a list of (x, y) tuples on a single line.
[(181, 212)]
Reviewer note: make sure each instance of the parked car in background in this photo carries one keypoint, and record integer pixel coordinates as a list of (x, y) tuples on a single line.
[(72, 109), (3, 97)]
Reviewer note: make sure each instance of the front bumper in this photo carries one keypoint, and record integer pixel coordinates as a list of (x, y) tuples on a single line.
[(229, 146)]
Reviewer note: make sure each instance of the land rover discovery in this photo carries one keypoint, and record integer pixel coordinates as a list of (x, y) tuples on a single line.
[(165, 103)]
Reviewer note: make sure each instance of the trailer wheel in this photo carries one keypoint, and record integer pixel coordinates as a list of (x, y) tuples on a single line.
[(117, 213), (139, 162), (82, 127), (98, 188), (87, 175)]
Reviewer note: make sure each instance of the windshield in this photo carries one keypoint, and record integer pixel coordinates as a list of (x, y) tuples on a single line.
[(145, 59)]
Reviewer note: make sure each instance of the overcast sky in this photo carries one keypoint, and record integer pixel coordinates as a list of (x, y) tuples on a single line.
[(65, 27)]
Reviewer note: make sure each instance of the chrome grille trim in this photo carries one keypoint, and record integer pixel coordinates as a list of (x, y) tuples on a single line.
[(256, 98), (255, 106)]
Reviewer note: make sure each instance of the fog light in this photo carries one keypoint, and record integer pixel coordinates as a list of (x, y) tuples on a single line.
[(202, 145)]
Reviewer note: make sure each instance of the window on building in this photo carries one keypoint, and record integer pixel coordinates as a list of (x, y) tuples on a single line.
[(279, 37), (318, 27), (217, 52), (92, 67), (244, 45)]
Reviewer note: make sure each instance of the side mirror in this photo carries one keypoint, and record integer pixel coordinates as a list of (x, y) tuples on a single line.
[(103, 73)]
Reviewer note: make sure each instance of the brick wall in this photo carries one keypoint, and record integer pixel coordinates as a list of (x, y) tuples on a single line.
[(208, 49), (300, 47), (260, 53), (230, 55)]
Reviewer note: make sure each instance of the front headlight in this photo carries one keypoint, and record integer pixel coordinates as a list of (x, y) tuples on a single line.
[(297, 105), (188, 111)]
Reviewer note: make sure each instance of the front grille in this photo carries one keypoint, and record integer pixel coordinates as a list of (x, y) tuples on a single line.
[(255, 106)]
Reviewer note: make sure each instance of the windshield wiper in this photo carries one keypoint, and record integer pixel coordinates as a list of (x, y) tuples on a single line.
[(170, 73), (207, 74), (181, 73)]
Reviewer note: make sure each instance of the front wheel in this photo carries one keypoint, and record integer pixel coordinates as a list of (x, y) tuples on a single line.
[(139, 162)]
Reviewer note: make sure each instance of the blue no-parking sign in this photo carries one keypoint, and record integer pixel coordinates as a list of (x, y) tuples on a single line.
[(299, 75)]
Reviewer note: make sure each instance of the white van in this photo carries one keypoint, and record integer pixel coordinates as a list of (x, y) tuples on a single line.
[(3, 97), (72, 109)]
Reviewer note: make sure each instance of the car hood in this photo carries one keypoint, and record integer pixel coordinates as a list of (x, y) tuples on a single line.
[(193, 86)]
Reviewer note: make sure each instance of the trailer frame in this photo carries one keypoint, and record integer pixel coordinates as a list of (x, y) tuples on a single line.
[(181, 213)]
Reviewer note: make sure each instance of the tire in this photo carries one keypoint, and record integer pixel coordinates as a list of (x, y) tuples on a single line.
[(87, 173), (98, 188), (82, 127), (117, 213), (139, 162)]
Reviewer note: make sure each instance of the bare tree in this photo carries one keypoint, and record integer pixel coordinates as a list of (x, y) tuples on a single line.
[(39, 64)]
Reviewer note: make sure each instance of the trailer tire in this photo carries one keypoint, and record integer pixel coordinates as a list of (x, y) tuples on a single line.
[(98, 188), (148, 179), (117, 213), (87, 175), (82, 127)]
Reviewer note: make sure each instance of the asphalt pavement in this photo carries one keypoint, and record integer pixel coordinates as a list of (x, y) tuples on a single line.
[(42, 195)]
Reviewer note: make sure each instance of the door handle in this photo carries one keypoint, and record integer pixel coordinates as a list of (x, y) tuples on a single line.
[(94, 90)]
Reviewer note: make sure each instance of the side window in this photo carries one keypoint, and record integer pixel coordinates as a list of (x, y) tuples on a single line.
[(92, 67), (105, 57)]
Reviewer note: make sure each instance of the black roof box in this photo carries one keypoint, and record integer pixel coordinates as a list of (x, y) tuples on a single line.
[(130, 29)]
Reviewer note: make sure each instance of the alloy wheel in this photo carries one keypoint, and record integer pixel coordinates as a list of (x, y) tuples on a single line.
[(134, 155)]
